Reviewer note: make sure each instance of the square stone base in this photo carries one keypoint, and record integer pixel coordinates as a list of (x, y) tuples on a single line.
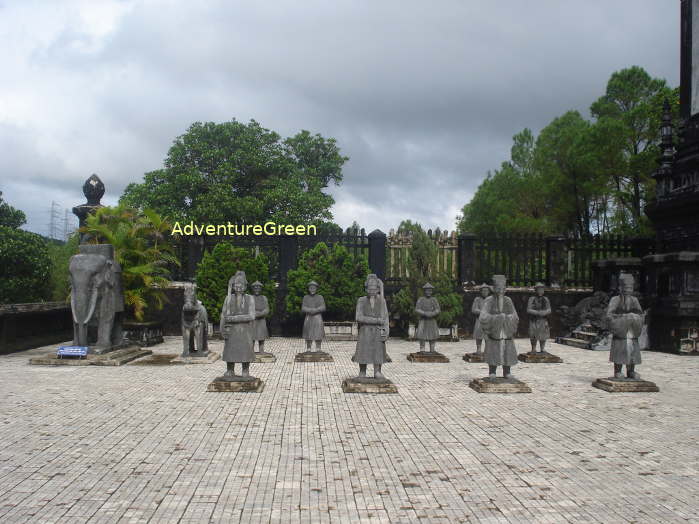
[(427, 356), (474, 357), (313, 356), (211, 356), (499, 385), (539, 358), (368, 385), (116, 357), (223, 384), (264, 357), (625, 385)]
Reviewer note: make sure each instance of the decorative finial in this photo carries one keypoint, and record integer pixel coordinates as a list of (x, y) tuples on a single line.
[(93, 189)]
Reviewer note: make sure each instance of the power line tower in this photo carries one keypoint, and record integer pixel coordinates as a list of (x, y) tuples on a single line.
[(54, 217), (68, 227)]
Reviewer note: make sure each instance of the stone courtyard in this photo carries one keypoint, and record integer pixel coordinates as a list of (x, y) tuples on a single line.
[(147, 443)]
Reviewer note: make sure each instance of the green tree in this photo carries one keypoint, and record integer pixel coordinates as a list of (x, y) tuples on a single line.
[(242, 173), (25, 267), (219, 265), (60, 275), (9, 216), (340, 277), (422, 257), (142, 248)]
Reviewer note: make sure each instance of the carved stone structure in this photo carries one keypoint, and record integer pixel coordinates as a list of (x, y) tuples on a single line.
[(313, 306), (195, 323), (499, 321), (427, 308), (259, 330), (93, 189), (538, 309)]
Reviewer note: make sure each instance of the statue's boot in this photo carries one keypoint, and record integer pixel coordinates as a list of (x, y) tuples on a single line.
[(230, 369), (506, 372), (542, 345), (377, 372), (617, 371), (478, 349), (492, 371), (630, 373), (533, 346), (432, 347), (246, 369), (362, 370), (318, 346)]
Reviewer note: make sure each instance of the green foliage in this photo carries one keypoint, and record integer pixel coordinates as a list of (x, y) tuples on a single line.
[(340, 277), (421, 269), (242, 173), (142, 248), (60, 275), (25, 267), (9, 216), (219, 265)]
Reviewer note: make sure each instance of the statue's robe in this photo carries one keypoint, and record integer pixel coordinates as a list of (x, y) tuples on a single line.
[(238, 341), (625, 318), (476, 310), (538, 308), (499, 323), (313, 306), (427, 328), (259, 329), (371, 342)]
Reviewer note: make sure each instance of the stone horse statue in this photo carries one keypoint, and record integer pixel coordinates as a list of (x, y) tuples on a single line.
[(195, 323)]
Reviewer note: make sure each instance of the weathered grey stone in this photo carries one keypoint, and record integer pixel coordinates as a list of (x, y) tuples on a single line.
[(427, 356), (625, 318), (195, 323), (625, 385), (499, 319), (539, 357), (368, 385), (313, 306), (237, 318), (427, 309), (372, 317), (211, 356), (476, 311), (538, 309), (499, 385), (264, 358), (116, 357), (474, 357), (313, 356), (235, 385)]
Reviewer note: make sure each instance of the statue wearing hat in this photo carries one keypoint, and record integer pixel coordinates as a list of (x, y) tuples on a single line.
[(498, 319), (372, 317), (427, 308), (538, 308), (259, 330), (313, 306), (625, 318), (237, 319), (476, 310)]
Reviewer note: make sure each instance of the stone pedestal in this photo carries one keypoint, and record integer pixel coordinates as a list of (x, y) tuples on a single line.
[(116, 357), (474, 357), (143, 334), (262, 357), (313, 356), (236, 384), (210, 357), (427, 356), (543, 357), (499, 385), (368, 385), (625, 385)]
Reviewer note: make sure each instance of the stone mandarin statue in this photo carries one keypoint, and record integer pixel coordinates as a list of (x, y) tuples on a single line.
[(427, 308), (538, 308), (499, 321), (372, 317), (476, 310), (625, 318), (260, 333), (313, 306), (237, 319), (195, 323)]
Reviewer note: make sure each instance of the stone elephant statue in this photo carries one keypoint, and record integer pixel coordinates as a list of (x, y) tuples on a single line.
[(195, 323), (96, 297)]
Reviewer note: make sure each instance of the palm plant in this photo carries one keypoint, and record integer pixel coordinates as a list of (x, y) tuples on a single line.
[(142, 248)]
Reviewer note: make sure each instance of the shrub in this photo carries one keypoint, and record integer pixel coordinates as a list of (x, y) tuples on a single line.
[(340, 277), (219, 265), (60, 275), (25, 267)]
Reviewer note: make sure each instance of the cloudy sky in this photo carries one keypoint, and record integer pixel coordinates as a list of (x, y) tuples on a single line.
[(424, 97)]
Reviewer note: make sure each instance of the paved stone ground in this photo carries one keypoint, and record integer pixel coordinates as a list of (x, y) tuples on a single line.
[(149, 444)]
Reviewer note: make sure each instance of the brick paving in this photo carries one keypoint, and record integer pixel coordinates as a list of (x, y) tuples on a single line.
[(143, 443)]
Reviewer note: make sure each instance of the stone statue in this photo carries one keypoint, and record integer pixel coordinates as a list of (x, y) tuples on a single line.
[(538, 308), (427, 308), (625, 318), (93, 189), (313, 306), (260, 333), (96, 297), (237, 319), (372, 317), (476, 310), (195, 323), (499, 321)]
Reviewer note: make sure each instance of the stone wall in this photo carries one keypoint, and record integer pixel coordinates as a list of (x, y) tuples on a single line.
[(24, 326)]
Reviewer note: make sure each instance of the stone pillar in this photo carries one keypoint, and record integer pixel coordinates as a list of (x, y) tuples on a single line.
[(466, 258), (377, 253), (288, 257), (555, 261), (93, 189)]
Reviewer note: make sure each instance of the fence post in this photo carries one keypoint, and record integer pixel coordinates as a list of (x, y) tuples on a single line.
[(288, 254), (377, 253), (466, 255), (555, 251)]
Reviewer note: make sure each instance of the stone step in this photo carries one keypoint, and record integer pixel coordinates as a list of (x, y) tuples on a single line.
[(584, 335), (575, 342)]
